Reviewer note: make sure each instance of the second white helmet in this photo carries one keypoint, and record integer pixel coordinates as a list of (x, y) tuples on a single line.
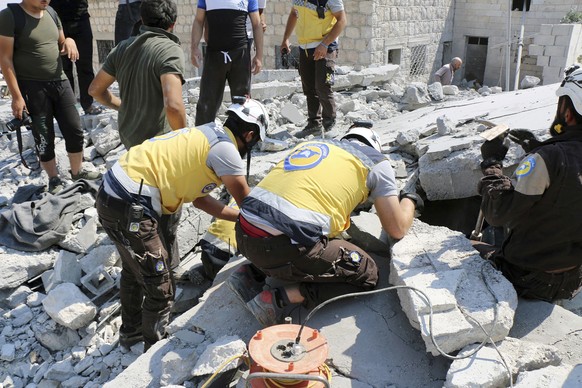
[(572, 86), (251, 111), (365, 134)]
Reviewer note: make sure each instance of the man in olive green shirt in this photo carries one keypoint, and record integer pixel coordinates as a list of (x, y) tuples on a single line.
[(149, 69), (30, 60)]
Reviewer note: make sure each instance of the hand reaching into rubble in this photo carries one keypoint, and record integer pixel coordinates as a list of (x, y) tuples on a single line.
[(524, 138)]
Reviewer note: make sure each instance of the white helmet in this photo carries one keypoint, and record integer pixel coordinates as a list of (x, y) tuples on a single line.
[(572, 86), (362, 130), (252, 112)]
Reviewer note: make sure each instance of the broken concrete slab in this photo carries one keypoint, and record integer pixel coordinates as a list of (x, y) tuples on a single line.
[(485, 368), (217, 353), (366, 229), (422, 259), (415, 96), (290, 112), (105, 255), (67, 268), (18, 267), (563, 376)]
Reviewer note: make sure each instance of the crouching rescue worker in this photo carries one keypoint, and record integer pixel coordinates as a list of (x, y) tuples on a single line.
[(289, 223), (540, 207), (145, 189)]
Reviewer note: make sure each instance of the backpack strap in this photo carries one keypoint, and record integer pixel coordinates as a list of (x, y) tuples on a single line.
[(20, 19)]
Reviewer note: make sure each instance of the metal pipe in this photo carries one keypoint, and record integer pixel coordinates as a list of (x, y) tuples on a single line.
[(519, 48), (508, 48)]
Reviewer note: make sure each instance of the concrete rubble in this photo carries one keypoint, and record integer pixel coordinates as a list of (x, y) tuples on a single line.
[(59, 315)]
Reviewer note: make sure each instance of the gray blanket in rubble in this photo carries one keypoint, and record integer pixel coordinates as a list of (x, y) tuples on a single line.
[(34, 225)]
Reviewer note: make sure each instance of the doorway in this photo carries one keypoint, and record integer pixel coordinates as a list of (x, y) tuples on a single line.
[(476, 58)]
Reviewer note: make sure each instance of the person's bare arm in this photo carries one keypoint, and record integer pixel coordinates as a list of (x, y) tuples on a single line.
[(289, 27), (68, 47), (237, 187), (173, 102), (100, 92), (263, 19), (197, 29), (257, 63), (216, 208), (321, 50), (7, 66), (396, 216)]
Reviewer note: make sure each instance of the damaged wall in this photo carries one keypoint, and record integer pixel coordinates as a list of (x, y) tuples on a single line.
[(488, 19)]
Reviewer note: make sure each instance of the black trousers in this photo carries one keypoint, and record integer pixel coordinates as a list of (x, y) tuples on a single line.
[(317, 78), (147, 282), (46, 100), (127, 20), (80, 31), (329, 268), (233, 66)]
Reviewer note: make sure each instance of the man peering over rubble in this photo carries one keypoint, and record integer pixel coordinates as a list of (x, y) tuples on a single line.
[(289, 224), (539, 207), (146, 188)]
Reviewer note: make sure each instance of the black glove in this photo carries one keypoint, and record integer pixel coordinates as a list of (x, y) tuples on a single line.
[(418, 202), (494, 185), (495, 149), (524, 138)]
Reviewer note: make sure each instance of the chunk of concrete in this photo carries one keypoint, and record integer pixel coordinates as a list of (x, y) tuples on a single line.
[(105, 255), (68, 306), (18, 296), (8, 352), (60, 370), (105, 138), (450, 90), (53, 336), (529, 81), (67, 268), (176, 366), (563, 376), (292, 114), (445, 125), (472, 292), (21, 315), (436, 91), (485, 368), (217, 353), (415, 95)]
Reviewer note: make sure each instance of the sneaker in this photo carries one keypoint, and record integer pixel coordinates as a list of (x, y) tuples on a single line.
[(244, 285), (329, 128), (86, 174), (55, 185), (313, 127), (265, 309)]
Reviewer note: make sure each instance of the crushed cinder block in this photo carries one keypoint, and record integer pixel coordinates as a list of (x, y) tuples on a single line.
[(68, 306), (98, 281)]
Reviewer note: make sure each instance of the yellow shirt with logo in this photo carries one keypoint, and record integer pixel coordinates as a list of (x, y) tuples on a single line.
[(310, 29)]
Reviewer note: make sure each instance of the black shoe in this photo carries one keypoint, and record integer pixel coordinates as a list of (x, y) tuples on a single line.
[(313, 127), (329, 128), (127, 340)]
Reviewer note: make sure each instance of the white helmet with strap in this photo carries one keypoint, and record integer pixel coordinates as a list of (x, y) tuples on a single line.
[(251, 111), (572, 86), (362, 130)]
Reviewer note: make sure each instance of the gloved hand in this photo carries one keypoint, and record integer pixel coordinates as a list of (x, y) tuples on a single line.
[(418, 202), (495, 149), (524, 138), (494, 185)]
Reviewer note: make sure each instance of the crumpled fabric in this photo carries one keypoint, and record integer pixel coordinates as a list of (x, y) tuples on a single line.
[(35, 225)]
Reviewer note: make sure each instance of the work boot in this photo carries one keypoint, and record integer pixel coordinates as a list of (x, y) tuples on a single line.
[(330, 131), (244, 284), (55, 185), (86, 174), (313, 127), (127, 340), (265, 309)]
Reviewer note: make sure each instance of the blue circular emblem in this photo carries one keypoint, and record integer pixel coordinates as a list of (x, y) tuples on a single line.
[(160, 266), (306, 157), (355, 257), (208, 188), (526, 167)]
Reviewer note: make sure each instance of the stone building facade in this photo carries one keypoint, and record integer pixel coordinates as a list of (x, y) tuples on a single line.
[(418, 35)]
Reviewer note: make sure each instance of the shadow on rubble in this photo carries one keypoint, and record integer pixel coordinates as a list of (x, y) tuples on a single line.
[(456, 214)]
